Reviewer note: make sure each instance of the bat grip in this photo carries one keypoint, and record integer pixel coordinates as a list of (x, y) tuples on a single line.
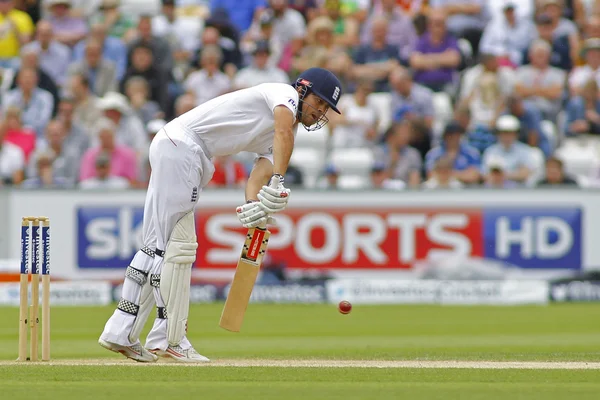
[(274, 183)]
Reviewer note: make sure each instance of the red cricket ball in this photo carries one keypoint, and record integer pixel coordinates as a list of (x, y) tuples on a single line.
[(344, 307)]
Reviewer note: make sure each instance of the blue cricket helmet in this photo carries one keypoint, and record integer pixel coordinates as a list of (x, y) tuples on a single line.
[(322, 83)]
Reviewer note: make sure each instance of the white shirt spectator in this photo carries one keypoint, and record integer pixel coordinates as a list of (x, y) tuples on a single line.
[(54, 60), (112, 182), (12, 160), (517, 156), (37, 112), (206, 87), (523, 8), (187, 30), (503, 39), (360, 119), (580, 76)]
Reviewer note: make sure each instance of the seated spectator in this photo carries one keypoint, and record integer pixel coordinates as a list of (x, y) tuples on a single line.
[(400, 30), (496, 178), (36, 104), (54, 56), (231, 59), (184, 103), (87, 110), (583, 111), (436, 56), (376, 60), (561, 48), (122, 158), (442, 176), (479, 137), (113, 49), (101, 74), (407, 94), (68, 29), (130, 131), (294, 176), (12, 160), (484, 88), (401, 159), (228, 173), (356, 126), (208, 82), (591, 70), (137, 92), (17, 134), (143, 64), (14, 35), (556, 175), (163, 56), (530, 122), (76, 136), (541, 84), (563, 27), (347, 27), (117, 24), (508, 36), (263, 32), (44, 177), (380, 178), (181, 31), (66, 155), (103, 177), (259, 72), (466, 159), (516, 156), (145, 169), (330, 178), (591, 30)]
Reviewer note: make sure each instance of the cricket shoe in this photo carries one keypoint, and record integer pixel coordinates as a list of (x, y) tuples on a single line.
[(135, 352), (178, 354)]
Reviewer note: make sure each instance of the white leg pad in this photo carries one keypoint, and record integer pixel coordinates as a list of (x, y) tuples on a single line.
[(175, 279)]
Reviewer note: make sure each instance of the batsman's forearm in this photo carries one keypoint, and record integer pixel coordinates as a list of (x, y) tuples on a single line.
[(283, 145), (260, 175)]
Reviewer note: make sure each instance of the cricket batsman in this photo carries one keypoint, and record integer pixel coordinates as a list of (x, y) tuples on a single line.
[(262, 119)]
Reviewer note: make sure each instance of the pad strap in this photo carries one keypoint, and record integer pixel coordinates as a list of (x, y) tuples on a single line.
[(161, 312), (155, 280), (136, 275), (128, 307)]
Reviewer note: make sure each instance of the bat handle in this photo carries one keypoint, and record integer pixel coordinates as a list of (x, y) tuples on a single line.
[(273, 183)]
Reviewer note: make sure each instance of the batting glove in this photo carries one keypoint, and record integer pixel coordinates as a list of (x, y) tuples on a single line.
[(252, 215), (274, 196)]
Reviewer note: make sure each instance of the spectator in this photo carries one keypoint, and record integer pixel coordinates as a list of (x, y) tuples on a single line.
[(356, 126), (496, 178), (152, 128), (65, 155), (76, 136), (347, 27), (260, 71), (541, 84), (122, 158), (184, 103), (228, 173), (16, 134), (116, 23), (294, 176), (442, 176), (129, 129), (54, 57), (561, 48), (402, 161), (101, 74), (159, 46), (561, 26), (241, 12), (410, 99), (181, 31), (144, 65), (478, 136), (87, 108), (231, 59), (17, 29), (289, 27), (508, 36), (103, 176), (44, 177), (376, 60), (484, 89), (137, 92), (516, 156), (209, 82), (400, 29), (591, 30), (36, 104), (591, 70), (556, 175), (530, 122), (68, 29), (264, 32), (380, 178), (465, 18), (30, 59), (583, 111), (436, 56), (330, 178), (466, 160), (113, 49), (12, 160)]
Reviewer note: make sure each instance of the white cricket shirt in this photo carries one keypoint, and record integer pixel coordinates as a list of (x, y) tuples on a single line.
[(242, 120)]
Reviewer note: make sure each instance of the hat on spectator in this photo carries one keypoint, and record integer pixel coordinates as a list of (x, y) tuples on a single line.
[(508, 123), (378, 166), (453, 127), (155, 125), (114, 101), (102, 159), (262, 46)]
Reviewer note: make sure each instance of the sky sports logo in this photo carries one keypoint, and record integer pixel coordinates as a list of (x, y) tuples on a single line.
[(532, 238)]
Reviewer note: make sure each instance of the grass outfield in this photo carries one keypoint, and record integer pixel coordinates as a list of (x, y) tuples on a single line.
[(567, 332)]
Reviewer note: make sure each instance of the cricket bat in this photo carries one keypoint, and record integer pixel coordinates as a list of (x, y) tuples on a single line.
[(244, 279)]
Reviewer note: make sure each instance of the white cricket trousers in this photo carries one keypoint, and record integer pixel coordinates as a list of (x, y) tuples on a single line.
[(181, 167)]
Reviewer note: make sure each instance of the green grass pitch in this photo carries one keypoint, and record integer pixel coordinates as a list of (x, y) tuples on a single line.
[(288, 333)]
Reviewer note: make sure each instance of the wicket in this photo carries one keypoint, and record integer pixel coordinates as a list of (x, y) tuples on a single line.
[(29, 315)]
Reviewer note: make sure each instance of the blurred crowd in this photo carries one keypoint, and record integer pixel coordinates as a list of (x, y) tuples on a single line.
[(437, 93)]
